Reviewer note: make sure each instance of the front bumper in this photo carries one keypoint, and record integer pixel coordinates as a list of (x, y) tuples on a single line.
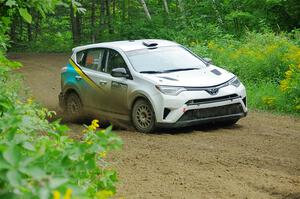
[(200, 116), (196, 107)]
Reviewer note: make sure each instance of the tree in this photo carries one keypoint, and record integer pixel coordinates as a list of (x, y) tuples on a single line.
[(148, 16), (165, 3)]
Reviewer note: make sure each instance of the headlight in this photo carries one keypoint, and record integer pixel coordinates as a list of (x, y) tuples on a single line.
[(235, 82), (170, 90)]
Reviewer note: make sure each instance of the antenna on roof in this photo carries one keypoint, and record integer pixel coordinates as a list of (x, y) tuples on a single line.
[(150, 44)]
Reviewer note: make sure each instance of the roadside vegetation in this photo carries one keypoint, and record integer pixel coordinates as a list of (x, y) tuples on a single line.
[(37, 158), (257, 40)]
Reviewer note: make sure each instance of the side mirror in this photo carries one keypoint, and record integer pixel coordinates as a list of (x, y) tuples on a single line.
[(208, 60), (119, 72)]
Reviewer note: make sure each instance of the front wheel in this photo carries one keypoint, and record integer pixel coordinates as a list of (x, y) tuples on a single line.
[(143, 116)]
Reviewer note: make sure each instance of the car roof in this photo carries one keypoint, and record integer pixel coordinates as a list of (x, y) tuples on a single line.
[(128, 45)]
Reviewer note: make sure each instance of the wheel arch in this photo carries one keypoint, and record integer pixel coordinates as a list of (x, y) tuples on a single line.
[(136, 97), (68, 91)]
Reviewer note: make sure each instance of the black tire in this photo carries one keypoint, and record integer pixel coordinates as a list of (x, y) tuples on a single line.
[(73, 107), (143, 116)]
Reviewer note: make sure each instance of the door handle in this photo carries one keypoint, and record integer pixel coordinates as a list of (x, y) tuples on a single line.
[(102, 83), (118, 84), (77, 77)]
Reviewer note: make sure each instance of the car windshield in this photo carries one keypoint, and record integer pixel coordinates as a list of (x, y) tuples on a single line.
[(164, 59)]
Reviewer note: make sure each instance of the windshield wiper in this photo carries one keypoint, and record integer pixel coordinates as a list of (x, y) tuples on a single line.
[(151, 71), (179, 69)]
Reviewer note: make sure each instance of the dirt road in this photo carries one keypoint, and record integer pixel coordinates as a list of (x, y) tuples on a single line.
[(257, 158)]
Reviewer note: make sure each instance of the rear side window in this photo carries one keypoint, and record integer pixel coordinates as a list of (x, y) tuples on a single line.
[(80, 57), (91, 58)]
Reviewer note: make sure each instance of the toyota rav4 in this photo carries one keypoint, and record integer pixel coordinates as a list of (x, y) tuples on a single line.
[(151, 83)]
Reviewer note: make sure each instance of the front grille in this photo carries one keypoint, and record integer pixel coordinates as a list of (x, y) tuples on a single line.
[(212, 112), (211, 100)]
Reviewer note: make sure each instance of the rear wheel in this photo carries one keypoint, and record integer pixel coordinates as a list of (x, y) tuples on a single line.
[(73, 106), (143, 116)]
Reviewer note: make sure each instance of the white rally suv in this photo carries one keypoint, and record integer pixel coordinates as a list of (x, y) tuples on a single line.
[(151, 83)]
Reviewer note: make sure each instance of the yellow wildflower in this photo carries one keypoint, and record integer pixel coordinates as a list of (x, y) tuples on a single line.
[(211, 44), (268, 100), (89, 142), (284, 85), (68, 194), (192, 43), (29, 100), (288, 74), (102, 154), (104, 194), (271, 48), (56, 195), (94, 124)]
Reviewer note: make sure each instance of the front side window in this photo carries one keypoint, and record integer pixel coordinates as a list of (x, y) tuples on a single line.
[(91, 58), (115, 60), (164, 59)]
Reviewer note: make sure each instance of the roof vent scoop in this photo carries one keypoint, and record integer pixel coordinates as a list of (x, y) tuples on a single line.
[(150, 44)]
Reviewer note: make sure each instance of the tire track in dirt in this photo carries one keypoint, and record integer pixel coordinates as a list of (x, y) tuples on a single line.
[(257, 158)]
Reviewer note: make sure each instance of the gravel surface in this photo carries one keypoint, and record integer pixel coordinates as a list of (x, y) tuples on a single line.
[(259, 157)]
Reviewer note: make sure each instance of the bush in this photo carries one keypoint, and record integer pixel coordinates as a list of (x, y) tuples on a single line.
[(39, 160), (262, 62)]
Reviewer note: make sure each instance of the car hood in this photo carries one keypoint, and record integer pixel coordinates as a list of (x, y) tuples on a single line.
[(205, 77)]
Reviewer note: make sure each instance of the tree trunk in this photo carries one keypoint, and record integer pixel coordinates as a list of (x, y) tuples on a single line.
[(219, 18), (128, 10), (78, 27), (102, 14), (93, 37), (21, 29), (181, 6), (148, 16), (123, 11), (166, 6), (182, 10), (29, 32), (13, 28), (114, 8), (37, 27), (75, 25), (108, 16)]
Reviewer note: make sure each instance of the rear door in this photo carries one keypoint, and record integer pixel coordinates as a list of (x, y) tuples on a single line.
[(93, 66)]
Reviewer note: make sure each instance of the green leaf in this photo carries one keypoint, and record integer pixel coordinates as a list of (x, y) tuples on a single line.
[(44, 193), (35, 172), (25, 14), (3, 165), (14, 178), (28, 146), (57, 182), (6, 20), (12, 155), (10, 3)]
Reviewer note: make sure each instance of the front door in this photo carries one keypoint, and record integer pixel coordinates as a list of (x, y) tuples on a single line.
[(118, 85)]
